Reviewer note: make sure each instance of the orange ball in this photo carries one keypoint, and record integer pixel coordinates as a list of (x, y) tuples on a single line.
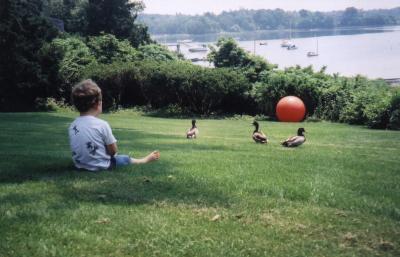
[(290, 109)]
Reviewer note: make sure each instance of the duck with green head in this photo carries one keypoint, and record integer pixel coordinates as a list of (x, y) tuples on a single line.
[(193, 132), (258, 136), (295, 140)]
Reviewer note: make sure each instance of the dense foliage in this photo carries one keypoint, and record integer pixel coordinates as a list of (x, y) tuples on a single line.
[(228, 54), (33, 66), (250, 20), (352, 100), (94, 17), (303, 83), (161, 84), (23, 31), (39, 67), (70, 56)]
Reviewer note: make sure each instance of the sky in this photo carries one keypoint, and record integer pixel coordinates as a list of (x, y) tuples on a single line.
[(217, 6)]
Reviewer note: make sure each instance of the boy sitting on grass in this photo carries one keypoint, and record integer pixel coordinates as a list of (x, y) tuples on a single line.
[(93, 145)]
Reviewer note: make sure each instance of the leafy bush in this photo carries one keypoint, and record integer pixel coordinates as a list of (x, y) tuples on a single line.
[(394, 118), (120, 84), (155, 52), (176, 83), (51, 105), (367, 103), (73, 55), (302, 83), (69, 56), (377, 112), (333, 98), (107, 48), (201, 90)]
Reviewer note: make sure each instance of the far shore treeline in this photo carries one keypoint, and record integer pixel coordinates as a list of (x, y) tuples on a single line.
[(102, 40), (278, 19)]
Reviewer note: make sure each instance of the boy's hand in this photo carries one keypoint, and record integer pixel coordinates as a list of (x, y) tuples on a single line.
[(112, 149)]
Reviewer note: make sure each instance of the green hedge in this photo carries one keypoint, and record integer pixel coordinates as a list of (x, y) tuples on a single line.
[(204, 91), (355, 100), (303, 83), (160, 84)]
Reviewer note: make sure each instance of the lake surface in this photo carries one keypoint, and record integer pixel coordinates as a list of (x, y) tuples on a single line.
[(373, 52)]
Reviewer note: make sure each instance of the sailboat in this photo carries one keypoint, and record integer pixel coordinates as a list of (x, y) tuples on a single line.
[(288, 44), (313, 54)]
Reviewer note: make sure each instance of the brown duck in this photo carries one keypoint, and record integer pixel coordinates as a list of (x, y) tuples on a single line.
[(295, 140), (193, 132), (258, 135)]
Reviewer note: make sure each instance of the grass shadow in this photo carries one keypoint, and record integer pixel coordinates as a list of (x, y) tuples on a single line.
[(132, 185), (156, 182)]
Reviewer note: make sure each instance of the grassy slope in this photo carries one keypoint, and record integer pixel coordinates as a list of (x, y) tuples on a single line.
[(337, 195)]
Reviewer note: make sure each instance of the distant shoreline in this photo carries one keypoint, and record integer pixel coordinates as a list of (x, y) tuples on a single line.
[(285, 30), (245, 20), (273, 34)]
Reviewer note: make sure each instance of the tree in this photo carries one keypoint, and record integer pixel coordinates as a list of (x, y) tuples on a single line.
[(229, 54), (23, 31), (350, 17), (116, 17), (71, 12)]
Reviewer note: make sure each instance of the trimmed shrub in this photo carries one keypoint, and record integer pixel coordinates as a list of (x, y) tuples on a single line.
[(192, 88), (119, 82), (332, 100), (394, 117), (367, 103), (302, 83), (200, 90)]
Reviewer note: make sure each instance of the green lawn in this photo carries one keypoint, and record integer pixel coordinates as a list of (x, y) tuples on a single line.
[(337, 195)]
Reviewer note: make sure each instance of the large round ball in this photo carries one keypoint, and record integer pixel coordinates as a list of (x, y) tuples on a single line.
[(290, 109)]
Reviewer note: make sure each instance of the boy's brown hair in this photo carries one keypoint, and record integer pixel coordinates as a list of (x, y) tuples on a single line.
[(85, 95)]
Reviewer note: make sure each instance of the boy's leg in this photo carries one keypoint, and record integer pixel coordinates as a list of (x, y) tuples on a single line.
[(124, 160)]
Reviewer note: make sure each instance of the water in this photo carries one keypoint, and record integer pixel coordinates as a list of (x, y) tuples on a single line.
[(372, 52)]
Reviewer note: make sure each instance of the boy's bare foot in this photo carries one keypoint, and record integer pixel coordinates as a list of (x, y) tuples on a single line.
[(153, 156)]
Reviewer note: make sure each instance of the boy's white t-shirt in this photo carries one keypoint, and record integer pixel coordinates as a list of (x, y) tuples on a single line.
[(88, 137)]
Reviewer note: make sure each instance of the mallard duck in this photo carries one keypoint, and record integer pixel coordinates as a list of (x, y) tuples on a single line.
[(193, 132), (259, 136), (295, 140)]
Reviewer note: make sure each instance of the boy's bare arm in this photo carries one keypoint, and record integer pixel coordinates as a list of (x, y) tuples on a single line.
[(112, 149)]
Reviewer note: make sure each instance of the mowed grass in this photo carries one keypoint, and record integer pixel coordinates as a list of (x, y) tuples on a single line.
[(337, 195)]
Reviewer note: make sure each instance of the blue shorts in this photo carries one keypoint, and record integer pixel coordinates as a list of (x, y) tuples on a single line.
[(120, 161)]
